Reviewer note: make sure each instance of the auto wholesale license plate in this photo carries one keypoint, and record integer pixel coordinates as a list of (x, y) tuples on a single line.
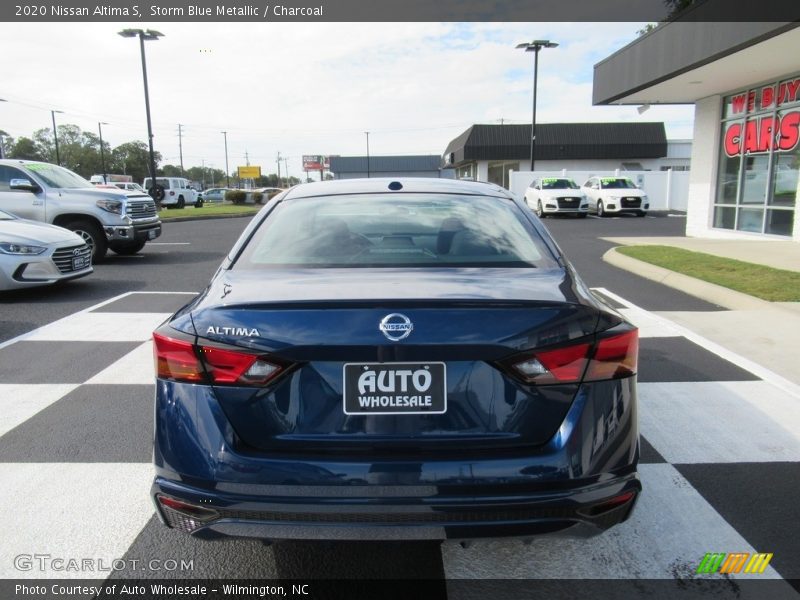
[(81, 262), (394, 388)]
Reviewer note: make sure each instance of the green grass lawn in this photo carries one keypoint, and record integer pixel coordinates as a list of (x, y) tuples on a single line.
[(774, 285), (208, 210)]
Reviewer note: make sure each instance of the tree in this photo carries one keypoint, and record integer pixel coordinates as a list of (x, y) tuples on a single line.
[(25, 148), (171, 171), (132, 158)]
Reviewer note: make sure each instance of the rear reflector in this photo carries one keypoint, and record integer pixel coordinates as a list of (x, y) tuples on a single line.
[(608, 505), (183, 361), (197, 512), (609, 358)]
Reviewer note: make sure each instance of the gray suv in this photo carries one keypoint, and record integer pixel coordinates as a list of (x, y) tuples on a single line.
[(106, 218)]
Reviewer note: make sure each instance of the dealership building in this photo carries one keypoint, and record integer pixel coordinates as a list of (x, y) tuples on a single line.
[(744, 81), (489, 152)]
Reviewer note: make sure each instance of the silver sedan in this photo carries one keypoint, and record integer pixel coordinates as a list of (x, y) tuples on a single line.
[(33, 253)]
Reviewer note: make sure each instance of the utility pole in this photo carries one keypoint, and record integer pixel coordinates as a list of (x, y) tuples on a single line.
[(286, 164), (203, 170), (368, 173), (247, 158), (279, 169), (180, 145), (227, 170)]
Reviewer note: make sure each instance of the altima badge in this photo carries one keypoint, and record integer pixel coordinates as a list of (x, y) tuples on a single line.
[(396, 327), (240, 331)]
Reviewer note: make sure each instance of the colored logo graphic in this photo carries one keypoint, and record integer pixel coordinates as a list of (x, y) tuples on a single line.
[(735, 562)]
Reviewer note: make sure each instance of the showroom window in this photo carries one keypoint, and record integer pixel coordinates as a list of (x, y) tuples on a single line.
[(498, 172), (757, 182), (466, 171)]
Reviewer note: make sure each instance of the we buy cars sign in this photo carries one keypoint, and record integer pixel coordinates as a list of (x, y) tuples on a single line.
[(779, 132)]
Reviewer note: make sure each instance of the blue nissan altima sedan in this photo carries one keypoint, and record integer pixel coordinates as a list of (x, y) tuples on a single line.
[(395, 359)]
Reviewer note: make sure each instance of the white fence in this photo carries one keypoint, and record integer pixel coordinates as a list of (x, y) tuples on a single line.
[(667, 190)]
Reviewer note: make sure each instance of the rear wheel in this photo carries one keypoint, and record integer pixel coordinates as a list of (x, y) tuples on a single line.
[(601, 211), (198, 203), (181, 202), (92, 235), (128, 249)]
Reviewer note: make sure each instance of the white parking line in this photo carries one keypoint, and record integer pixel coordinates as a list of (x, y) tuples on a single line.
[(34, 332), (71, 510), (738, 360)]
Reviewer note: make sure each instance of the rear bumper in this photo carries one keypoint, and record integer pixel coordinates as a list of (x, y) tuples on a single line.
[(561, 486), (358, 514)]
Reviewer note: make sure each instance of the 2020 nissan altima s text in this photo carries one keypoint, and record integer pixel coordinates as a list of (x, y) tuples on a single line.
[(380, 359)]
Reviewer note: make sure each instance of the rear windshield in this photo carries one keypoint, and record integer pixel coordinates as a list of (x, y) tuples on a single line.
[(400, 230)]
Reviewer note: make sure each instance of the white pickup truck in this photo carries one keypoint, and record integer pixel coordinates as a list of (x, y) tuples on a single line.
[(106, 218)]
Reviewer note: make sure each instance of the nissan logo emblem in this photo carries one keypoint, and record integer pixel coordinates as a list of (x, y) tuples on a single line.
[(396, 327)]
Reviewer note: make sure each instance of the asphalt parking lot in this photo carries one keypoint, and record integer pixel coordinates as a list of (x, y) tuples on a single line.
[(720, 449)]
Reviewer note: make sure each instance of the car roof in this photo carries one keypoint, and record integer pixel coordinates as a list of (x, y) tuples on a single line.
[(378, 185)]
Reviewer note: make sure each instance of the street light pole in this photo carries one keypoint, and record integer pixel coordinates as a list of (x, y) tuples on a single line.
[(102, 152), (368, 170), (534, 47), (227, 170), (146, 35), (55, 133)]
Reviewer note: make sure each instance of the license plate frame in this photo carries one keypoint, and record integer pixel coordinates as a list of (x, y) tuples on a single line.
[(412, 401), (81, 262)]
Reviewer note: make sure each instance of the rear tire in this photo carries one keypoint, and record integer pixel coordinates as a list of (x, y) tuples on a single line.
[(181, 203), (128, 249), (93, 236), (601, 211), (198, 203)]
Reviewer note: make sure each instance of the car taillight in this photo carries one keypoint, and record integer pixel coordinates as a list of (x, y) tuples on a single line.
[(176, 359), (226, 366), (608, 358), (614, 357), (183, 361)]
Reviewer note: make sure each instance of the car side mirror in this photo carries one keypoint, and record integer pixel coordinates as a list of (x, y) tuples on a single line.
[(24, 184)]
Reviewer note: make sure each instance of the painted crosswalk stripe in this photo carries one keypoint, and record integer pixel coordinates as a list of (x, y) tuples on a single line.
[(71, 510)]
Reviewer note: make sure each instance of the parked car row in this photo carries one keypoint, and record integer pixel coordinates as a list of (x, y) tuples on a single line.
[(601, 195)]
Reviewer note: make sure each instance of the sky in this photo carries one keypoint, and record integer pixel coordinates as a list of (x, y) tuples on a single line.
[(306, 88)]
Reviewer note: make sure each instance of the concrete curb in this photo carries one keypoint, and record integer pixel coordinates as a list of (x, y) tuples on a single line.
[(205, 218), (710, 292)]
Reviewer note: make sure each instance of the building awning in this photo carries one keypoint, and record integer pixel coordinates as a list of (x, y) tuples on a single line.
[(682, 62), (559, 141)]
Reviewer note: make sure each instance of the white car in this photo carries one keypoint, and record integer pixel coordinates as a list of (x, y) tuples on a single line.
[(614, 195), (174, 192), (556, 195), (33, 253), (129, 186)]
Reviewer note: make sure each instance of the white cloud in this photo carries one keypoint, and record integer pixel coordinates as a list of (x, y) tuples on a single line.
[(306, 88)]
